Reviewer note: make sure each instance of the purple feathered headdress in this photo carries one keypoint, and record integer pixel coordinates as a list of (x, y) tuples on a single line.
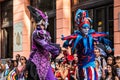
[(38, 15)]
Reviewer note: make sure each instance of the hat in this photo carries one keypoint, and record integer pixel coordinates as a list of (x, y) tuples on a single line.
[(84, 23), (38, 15), (82, 19)]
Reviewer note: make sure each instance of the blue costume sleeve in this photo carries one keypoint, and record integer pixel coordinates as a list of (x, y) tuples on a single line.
[(66, 44), (68, 40)]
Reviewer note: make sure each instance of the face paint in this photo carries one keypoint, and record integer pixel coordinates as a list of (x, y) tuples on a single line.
[(85, 29)]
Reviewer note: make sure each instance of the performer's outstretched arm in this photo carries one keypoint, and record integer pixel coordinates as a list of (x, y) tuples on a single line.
[(69, 37), (45, 45), (69, 40)]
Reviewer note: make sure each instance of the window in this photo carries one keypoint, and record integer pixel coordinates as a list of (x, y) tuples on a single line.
[(103, 20), (47, 5), (110, 21), (50, 9), (6, 19), (52, 29), (99, 19)]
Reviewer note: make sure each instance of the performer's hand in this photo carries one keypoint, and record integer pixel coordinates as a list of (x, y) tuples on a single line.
[(62, 37), (57, 46)]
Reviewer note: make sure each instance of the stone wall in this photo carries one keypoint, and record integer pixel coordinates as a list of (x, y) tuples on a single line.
[(117, 27), (21, 16), (63, 19)]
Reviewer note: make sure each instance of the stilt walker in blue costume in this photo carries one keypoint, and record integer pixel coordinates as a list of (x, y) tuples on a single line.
[(38, 65), (82, 40)]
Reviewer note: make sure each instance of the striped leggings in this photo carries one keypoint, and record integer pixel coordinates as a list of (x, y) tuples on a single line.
[(88, 74)]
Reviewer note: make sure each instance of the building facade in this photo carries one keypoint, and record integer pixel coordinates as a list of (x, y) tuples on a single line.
[(14, 28), (16, 24)]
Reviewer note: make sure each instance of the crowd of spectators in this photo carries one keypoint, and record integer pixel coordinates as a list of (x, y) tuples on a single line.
[(107, 68), (13, 69), (65, 66)]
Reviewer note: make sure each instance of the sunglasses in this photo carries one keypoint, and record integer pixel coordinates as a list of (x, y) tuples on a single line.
[(22, 59)]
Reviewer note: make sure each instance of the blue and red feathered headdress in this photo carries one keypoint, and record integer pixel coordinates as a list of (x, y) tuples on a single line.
[(81, 18)]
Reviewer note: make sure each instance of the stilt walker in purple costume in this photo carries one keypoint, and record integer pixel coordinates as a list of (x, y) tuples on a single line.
[(38, 65), (82, 41)]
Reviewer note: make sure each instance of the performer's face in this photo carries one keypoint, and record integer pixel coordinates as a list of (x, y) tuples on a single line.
[(85, 29), (42, 25)]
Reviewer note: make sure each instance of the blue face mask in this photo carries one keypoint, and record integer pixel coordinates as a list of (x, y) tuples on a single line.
[(85, 29)]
